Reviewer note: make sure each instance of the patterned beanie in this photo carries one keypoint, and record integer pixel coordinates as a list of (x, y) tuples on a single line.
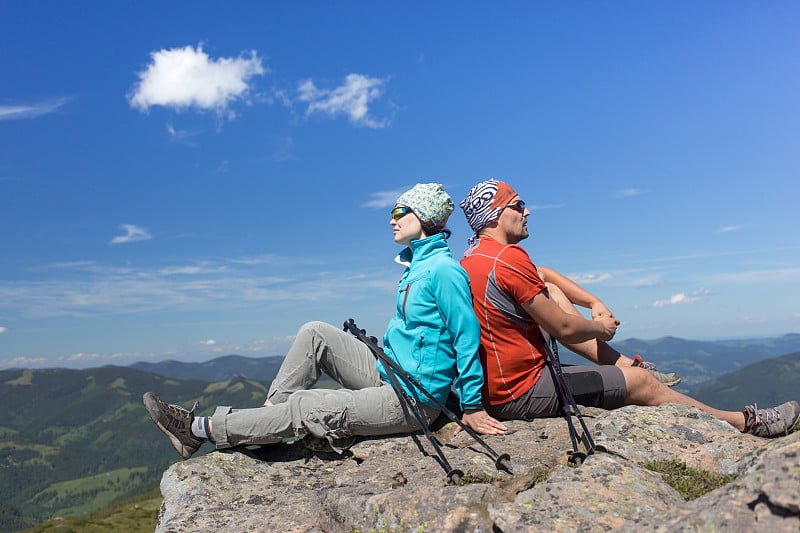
[(430, 203), (485, 202)]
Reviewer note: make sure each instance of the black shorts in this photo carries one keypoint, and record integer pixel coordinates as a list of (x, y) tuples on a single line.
[(591, 385)]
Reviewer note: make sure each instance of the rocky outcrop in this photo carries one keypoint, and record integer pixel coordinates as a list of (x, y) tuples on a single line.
[(396, 483)]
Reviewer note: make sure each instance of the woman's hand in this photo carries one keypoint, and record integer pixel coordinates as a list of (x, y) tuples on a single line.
[(480, 422)]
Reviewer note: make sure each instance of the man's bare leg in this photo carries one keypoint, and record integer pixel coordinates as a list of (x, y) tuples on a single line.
[(644, 389), (596, 351)]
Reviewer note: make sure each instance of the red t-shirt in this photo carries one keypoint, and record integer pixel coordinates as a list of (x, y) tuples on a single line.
[(512, 352)]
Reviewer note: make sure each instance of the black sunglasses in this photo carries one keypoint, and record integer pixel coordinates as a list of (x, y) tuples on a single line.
[(519, 206), (400, 212)]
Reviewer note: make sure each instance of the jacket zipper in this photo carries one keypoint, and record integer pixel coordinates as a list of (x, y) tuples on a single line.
[(405, 299)]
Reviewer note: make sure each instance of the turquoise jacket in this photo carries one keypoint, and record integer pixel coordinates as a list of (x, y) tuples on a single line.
[(435, 335)]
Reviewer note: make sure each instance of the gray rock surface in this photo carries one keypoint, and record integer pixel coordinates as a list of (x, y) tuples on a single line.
[(396, 483)]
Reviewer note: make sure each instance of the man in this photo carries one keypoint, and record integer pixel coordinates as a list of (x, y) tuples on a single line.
[(512, 302)]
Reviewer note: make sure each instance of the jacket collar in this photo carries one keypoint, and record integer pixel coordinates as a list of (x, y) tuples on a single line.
[(421, 248)]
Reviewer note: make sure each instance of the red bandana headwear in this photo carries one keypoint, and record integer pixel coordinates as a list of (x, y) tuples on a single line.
[(484, 203)]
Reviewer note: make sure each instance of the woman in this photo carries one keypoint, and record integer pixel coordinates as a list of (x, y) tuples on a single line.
[(434, 337)]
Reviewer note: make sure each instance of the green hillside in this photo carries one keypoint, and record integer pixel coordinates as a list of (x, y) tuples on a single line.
[(769, 382), (135, 515), (73, 441)]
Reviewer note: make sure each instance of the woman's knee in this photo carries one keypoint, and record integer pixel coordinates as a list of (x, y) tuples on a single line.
[(318, 329), (322, 417), (309, 328), (311, 334)]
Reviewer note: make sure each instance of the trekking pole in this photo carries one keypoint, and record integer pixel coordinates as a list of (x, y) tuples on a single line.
[(454, 475), (568, 404), (501, 461)]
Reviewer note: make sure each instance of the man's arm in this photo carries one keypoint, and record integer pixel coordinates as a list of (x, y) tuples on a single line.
[(576, 294), (566, 327)]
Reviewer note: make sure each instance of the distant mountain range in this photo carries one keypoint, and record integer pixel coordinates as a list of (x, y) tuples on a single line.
[(768, 383), (220, 369), (73, 441), (699, 361), (696, 361)]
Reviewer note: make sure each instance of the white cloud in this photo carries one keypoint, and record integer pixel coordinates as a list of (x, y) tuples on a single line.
[(627, 193), (760, 251), (25, 362), (383, 199), (84, 289), (682, 298), (3, 329), (652, 280), (132, 234), (85, 357), (533, 208), (187, 77), (350, 98), (17, 112), (190, 270), (180, 135), (590, 277), (281, 96), (782, 275), (272, 345), (726, 229), (209, 342)]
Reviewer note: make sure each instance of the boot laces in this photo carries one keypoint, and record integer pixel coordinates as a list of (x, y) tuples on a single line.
[(763, 416), (176, 414)]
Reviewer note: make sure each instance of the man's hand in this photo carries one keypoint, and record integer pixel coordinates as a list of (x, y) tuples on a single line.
[(599, 310), (609, 328), (480, 422)]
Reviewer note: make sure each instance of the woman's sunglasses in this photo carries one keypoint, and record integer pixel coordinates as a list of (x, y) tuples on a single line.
[(400, 212), (519, 206)]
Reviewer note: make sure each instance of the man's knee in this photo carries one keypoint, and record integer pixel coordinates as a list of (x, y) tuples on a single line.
[(640, 384), (561, 299)]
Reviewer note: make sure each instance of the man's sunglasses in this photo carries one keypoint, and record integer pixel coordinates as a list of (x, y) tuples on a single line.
[(519, 206), (400, 212)]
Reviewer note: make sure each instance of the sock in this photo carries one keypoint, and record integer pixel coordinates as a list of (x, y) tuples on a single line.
[(200, 427)]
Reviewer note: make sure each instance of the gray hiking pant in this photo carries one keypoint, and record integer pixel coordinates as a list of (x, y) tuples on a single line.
[(365, 406)]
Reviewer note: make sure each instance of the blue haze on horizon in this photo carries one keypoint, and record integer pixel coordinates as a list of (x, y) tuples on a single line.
[(189, 180)]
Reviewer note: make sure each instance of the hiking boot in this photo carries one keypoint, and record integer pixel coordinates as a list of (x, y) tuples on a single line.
[(771, 422), (670, 380), (175, 422)]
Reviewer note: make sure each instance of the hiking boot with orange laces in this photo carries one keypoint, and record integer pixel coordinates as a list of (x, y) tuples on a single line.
[(670, 380)]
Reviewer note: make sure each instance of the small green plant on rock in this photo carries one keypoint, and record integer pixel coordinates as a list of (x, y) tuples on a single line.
[(690, 482), (469, 478)]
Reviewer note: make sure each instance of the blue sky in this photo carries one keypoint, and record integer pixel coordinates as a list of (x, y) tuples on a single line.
[(188, 180)]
